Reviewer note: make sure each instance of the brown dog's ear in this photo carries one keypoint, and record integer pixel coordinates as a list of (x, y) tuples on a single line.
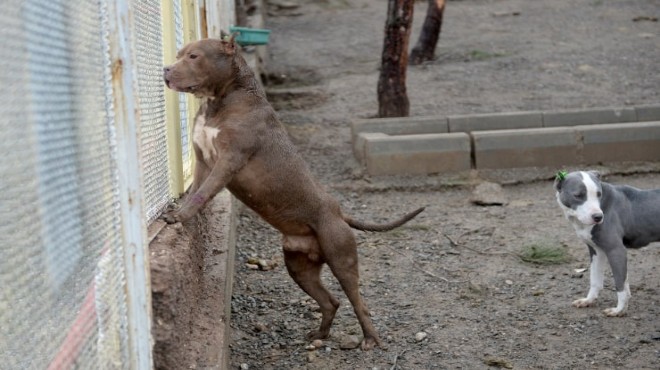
[(229, 42)]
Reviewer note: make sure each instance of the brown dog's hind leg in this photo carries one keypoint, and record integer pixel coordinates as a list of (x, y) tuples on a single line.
[(340, 251), (307, 274)]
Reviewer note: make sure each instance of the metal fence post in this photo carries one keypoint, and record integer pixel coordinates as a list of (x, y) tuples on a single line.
[(138, 286)]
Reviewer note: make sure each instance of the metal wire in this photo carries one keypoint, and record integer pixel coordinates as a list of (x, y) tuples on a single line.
[(148, 49), (186, 144), (63, 301)]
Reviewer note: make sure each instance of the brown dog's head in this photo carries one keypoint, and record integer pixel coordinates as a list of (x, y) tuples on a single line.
[(202, 67)]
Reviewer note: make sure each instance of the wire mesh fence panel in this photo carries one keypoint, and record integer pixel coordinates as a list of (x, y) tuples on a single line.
[(62, 282), (22, 258), (64, 254), (149, 53), (186, 144)]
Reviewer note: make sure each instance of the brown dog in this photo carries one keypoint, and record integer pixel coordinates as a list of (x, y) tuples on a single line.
[(240, 144)]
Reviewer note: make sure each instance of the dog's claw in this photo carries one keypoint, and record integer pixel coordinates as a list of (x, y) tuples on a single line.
[(612, 312)]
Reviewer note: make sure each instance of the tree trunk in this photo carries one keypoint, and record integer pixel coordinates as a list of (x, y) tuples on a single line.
[(428, 37), (392, 95)]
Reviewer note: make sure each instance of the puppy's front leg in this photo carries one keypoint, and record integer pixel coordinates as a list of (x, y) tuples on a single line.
[(619, 264), (596, 277), (217, 179)]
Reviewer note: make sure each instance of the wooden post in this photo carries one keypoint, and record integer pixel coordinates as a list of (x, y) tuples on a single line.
[(392, 95), (428, 38)]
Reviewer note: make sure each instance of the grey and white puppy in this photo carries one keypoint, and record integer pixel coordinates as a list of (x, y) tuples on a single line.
[(608, 218)]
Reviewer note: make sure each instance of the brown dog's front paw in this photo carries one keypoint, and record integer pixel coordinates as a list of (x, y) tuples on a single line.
[(316, 334), (369, 343), (171, 217)]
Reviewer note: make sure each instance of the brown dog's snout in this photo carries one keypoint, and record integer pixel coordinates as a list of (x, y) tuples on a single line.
[(166, 75)]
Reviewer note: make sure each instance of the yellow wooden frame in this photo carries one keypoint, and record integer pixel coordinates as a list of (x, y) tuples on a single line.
[(180, 168), (191, 32)]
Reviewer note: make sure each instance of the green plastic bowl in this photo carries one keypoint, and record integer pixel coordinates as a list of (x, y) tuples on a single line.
[(250, 36)]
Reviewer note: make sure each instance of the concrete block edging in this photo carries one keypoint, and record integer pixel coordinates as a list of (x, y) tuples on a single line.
[(623, 134)]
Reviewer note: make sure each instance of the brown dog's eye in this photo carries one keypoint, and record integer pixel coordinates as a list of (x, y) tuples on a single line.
[(193, 56)]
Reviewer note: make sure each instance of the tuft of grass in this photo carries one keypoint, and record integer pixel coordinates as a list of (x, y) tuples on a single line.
[(396, 233), (483, 55), (544, 254), (420, 227)]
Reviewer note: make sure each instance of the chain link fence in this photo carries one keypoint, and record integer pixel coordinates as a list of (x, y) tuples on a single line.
[(67, 286)]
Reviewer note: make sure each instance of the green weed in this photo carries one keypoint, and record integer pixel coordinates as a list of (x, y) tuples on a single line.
[(544, 254), (483, 55)]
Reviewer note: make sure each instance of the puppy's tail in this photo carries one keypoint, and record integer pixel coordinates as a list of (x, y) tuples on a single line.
[(366, 226)]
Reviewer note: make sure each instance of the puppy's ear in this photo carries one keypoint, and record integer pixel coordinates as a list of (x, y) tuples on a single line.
[(595, 174), (559, 179)]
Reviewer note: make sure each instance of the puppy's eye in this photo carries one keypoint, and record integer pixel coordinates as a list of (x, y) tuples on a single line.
[(579, 195), (193, 56), (599, 194)]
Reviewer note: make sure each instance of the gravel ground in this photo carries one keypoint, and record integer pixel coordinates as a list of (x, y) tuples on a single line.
[(454, 273)]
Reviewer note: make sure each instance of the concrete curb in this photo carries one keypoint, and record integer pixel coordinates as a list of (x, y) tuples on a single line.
[(511, 139), (219, 243), (192, 269), (417, 154), (542, 147)]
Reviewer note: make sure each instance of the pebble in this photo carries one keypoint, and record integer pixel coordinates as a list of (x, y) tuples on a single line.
[(245, 366), (260, 327), (420, 336), (317, 343), (489, 194), (349, 342)]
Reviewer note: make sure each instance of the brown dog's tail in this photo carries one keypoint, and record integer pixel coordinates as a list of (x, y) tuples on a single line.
[(365, 226)]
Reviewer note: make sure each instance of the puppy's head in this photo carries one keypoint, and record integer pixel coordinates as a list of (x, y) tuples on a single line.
[(202, 67), (578, 194)]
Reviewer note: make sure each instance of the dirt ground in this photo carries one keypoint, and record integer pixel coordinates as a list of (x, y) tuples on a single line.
[(454, 272)]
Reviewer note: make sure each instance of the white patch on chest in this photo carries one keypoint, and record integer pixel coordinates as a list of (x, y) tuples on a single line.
[(204, 138), (582, 230)]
